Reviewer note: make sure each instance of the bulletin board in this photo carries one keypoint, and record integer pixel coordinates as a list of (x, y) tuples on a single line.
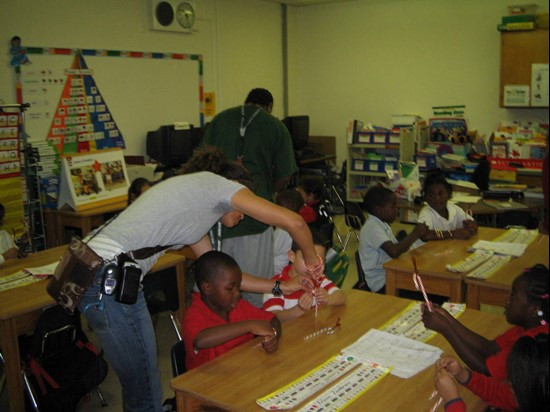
[(143, 90)]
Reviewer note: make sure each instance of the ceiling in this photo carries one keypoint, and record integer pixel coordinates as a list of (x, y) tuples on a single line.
[(302, 3)]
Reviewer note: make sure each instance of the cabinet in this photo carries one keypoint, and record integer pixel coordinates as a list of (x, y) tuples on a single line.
[(371, 161), (518, 51)]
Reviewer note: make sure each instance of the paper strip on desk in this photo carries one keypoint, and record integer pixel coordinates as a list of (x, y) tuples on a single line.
[(407, 356), (302, 388), (503, 248), (16, 280)]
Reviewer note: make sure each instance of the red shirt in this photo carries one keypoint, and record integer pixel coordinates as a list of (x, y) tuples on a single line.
[(496, 364), (199, 317), (308, 214), (495, 392)]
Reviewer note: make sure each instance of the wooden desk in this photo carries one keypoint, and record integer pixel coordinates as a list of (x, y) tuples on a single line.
[(236, 379), (57, 220), (431, 260), (20, 307), (481, 208), (496, 289)]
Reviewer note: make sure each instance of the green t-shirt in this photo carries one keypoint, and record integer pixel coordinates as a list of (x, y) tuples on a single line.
[(267, 154)]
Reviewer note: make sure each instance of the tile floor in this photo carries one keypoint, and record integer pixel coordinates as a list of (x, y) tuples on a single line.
[(166, 337)]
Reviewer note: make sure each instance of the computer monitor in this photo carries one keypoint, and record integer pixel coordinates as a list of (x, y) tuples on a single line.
[(298, 127), (172, 147)]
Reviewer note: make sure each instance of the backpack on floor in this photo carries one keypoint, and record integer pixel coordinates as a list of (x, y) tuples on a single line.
[(336, 265), (61, 364)]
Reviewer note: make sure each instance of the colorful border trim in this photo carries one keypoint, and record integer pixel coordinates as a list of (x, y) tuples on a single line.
[(132, 54)]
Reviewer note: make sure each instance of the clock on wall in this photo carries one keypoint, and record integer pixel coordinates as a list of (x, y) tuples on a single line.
[(173, 15), (185, 14)]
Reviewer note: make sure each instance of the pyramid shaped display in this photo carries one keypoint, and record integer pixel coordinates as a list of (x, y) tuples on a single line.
[(82, 121)]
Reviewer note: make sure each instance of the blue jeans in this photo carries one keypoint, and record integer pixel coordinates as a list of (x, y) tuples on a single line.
[(128, 340)]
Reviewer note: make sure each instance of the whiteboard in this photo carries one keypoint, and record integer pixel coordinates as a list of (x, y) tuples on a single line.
[(141, 93)]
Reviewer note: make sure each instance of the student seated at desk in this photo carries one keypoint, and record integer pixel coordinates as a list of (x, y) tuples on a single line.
[(326, 293), (8, 249), (526, 308), (527, 389), (282, 241), (444, 219), (218, 319), (311, 189), (377, 243)]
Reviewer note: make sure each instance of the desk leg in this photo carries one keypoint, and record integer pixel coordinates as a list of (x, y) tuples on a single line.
[(391, 282), (472, 297), (86, 226), (187, 403), (10, 351), (180, 274)]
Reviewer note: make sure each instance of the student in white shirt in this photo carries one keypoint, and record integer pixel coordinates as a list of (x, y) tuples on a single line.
[(444, 219), (377, 244)]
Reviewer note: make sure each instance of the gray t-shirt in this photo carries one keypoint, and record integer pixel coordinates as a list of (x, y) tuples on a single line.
[(178, 211)]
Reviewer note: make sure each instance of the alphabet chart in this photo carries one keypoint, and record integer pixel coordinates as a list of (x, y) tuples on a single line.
[(305, 386), (17, 279), (348, 389), (515, 235), (409, 324), (472, 261), (490, 267)]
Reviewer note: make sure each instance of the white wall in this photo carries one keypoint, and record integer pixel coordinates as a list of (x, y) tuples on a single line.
[(369, 59), (240, 40)]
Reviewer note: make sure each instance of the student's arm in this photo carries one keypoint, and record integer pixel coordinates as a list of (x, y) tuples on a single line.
[(461, 233), (394, 250), (472, 348), (304, 304), (11, 253), (252, 283), (218, 335), (271, 214), (337, 297), (271, 344)]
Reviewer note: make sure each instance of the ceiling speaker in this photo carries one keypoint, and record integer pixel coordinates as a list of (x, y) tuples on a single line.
[(173, 15)]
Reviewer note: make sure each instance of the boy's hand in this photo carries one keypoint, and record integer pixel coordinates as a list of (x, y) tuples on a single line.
[(420, 229), (437, 319), (470, 226), (261, 328), (271, 343), (306, 301), (321, 295), (445, 384)]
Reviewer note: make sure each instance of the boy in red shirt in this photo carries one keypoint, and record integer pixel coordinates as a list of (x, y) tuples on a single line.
[(218, 320)]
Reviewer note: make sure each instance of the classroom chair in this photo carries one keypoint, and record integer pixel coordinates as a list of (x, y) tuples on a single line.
[(354, 218), (361, 284), (178, 358)]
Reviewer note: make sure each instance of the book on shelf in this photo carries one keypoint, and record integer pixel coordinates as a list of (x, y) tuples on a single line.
[(519, 18), (528, 25)]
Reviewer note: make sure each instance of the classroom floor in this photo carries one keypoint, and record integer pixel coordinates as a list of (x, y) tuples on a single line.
[(166, 337)]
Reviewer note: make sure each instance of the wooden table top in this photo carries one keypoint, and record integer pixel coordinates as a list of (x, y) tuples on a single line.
[(432, 257), (236, 379), (25, 299), (481, 208)]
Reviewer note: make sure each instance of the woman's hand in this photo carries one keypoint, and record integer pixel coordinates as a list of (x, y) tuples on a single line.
[(297, 283), (315, 269)]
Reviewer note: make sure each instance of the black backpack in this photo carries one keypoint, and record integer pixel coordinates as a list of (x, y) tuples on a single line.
[(61, 364)]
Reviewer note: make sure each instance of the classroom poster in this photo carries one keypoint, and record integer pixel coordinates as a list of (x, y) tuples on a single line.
[(93, 179), (82, 121), (10, 158)]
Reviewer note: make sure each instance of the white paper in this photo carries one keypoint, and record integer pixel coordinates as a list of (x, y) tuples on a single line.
[(407, 356), (516, 95), (512, 249), (46, 270), (539, 85), (464, 198)]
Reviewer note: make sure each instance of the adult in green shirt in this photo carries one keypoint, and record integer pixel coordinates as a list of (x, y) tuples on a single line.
[(263, 145)]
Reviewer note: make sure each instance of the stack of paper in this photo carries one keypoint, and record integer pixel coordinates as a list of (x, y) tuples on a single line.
[(407, 356), (512, 249)]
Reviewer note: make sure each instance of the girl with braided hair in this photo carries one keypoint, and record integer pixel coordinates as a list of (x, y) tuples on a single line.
[(526, 309)]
